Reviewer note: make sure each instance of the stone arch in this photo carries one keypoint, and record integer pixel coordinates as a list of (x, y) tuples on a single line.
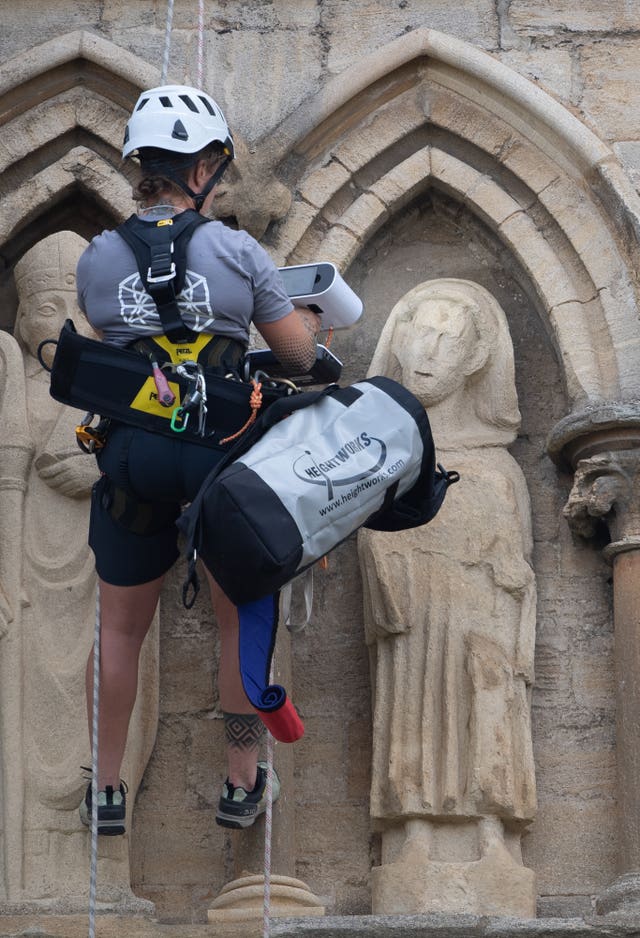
[(63, 105), (431, 110)]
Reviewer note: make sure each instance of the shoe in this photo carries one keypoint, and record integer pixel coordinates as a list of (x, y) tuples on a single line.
[(238, 808), (112, 810)]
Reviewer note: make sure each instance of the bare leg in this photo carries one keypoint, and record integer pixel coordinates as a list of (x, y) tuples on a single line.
[(126, 612), (243, 727)]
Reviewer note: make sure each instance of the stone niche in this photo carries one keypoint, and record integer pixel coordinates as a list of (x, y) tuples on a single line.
[(182, 862)]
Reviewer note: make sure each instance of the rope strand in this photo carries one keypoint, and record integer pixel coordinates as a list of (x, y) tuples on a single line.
[(93, 874), (255, 403), (167, 43), (268, 823), (200, 43)]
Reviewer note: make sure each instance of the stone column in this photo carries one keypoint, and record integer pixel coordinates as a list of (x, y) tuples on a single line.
[(606, 491)]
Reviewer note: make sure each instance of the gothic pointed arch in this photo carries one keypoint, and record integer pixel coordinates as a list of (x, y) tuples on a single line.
[(429, 110), (62, 108)]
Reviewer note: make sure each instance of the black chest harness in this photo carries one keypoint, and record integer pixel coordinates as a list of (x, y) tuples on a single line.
[(160, 250)]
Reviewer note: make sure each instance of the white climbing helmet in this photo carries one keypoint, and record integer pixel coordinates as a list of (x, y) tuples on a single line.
[(176, 118)]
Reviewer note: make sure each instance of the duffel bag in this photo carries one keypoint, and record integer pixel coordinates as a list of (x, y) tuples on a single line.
[(295, 488)]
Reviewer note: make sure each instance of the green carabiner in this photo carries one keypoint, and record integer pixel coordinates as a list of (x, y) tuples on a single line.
[(178, 414)]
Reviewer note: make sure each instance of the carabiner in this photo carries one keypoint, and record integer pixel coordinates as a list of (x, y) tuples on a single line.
[(179, 414)]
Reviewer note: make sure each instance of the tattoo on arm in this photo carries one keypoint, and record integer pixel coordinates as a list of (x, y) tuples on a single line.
[(243, 730), (310, 321)]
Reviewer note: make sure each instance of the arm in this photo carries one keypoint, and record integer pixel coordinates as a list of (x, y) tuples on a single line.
[(292, 339)]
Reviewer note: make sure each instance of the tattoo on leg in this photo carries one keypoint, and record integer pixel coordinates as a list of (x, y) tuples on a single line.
[(243, 730)]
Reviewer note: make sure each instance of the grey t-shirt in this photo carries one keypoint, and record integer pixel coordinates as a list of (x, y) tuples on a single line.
[(230, 282)]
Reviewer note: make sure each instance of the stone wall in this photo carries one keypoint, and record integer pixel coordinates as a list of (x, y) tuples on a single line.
[(398, 166)]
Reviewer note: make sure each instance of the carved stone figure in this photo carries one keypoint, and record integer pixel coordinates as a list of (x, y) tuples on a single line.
[(48, 582), (450, 621), (251, 193)]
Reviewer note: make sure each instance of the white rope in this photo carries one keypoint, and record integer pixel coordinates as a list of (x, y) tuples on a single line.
[(200, 43), (167, 43), (93, 875), (268, 820), (268, 826)]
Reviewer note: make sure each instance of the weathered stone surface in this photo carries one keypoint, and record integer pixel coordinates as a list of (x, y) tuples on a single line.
[(353, 926), (611, 88), (553, 18), (551, 69), (263, 60), (367, 28)]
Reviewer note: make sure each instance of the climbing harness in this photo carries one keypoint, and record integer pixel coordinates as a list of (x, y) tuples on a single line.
[(119, 384)]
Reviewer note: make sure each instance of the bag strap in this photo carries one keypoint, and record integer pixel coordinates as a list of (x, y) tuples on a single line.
[(160, 250)]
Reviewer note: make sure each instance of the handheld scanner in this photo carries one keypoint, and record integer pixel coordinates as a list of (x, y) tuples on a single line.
[(320, 288)]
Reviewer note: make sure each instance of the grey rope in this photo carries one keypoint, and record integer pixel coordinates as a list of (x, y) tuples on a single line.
[(167, 43), (93, 876)]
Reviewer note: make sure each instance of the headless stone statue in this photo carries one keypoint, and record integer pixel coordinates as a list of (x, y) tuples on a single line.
[(48, 580), (450, 621)]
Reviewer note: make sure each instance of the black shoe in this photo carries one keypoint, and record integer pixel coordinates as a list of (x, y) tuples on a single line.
[(112, 810), (238, 808)]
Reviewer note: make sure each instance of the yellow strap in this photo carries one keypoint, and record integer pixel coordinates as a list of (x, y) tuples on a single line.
[(183, 351)]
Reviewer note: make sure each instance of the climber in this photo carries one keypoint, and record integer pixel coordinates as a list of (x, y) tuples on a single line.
[(163, 282)]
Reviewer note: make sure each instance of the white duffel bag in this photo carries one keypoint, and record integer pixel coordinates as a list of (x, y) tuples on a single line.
[(313, 470)]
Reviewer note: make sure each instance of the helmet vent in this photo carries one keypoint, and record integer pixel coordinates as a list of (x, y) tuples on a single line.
[(208, 106), (190, 104), (165, 102), (142, 104), (179, 131)]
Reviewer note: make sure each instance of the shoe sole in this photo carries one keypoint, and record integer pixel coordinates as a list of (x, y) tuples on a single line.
[(236, 821), (107, 828)]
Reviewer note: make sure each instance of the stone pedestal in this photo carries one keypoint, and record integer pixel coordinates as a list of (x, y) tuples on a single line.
[(417, 877), (243, 900)]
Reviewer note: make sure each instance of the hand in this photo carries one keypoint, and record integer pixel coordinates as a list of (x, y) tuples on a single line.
[(72, 475)]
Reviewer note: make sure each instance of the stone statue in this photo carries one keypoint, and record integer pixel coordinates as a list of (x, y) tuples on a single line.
[(47, 581), (450, 622)]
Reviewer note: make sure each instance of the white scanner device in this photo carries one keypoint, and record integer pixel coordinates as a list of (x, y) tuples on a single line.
[(320, 288)]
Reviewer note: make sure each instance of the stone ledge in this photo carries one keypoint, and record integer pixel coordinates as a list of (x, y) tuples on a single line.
[(353, 926), (451, 926)]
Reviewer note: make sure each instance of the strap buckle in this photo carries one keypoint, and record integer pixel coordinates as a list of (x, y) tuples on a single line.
[(162, 278), (162, 268)]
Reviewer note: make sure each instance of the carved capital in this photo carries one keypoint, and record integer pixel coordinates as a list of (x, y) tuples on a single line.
[(606, 489), (600, 428)]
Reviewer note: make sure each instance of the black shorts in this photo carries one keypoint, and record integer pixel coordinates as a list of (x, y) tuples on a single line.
[(146, 480)]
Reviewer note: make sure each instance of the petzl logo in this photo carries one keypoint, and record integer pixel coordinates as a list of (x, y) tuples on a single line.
[(356, 460)]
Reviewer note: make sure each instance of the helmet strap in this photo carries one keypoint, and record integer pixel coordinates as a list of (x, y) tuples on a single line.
[(199, 197)]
